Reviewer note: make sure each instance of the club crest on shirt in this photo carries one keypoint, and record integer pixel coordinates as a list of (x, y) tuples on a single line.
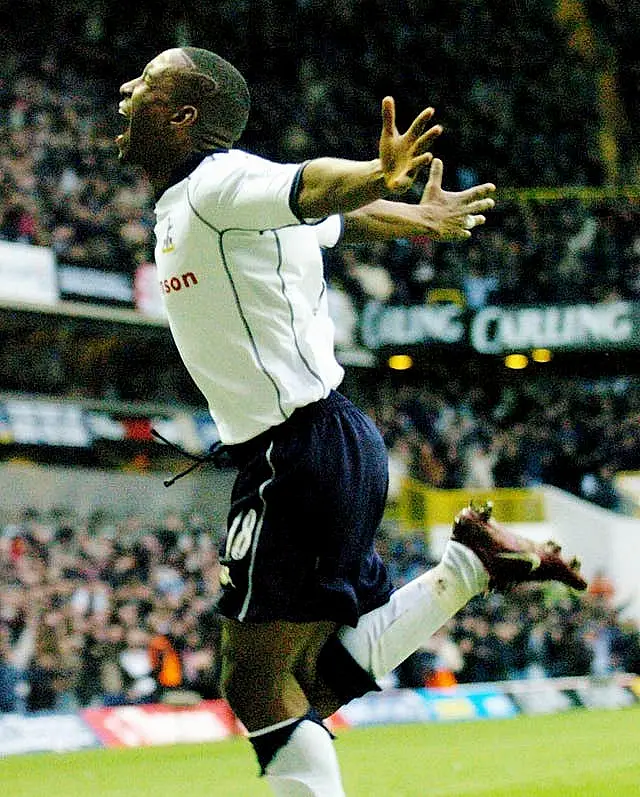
[(167, 241)]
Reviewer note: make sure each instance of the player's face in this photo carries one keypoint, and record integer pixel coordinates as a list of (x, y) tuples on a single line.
[(147, 107)]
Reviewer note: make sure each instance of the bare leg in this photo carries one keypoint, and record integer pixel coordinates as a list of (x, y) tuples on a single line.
[(259, 661), (259, 664)]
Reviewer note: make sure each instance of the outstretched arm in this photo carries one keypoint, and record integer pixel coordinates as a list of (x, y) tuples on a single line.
[(332, 185), (441, 215)]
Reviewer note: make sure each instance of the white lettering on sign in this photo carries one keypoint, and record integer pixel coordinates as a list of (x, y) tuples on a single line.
[(383, 325), (497, 329)]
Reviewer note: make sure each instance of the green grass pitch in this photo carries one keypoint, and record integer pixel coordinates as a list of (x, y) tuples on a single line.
[(577, 754)]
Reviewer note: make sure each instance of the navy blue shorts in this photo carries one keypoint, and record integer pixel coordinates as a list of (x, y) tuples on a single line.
[(305, 507)]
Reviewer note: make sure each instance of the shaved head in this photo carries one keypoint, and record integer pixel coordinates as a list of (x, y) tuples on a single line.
[(187, 100), (219, 92)]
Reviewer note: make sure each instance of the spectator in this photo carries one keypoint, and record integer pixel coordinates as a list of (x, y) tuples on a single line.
[(600, 488), (166, 648), (139, 685), (8, 675)]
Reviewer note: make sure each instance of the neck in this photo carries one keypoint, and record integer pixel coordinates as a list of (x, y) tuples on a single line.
[(182, 168)]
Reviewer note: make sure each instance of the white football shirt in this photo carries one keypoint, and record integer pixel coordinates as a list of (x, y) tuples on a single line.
[(243, 285)]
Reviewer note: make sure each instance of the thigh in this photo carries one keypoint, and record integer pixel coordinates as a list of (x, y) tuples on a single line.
[(261, 663)]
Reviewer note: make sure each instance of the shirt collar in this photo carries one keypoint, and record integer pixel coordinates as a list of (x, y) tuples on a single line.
[(187, 166)]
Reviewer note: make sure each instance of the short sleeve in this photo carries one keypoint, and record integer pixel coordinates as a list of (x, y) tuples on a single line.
[(236, 190)]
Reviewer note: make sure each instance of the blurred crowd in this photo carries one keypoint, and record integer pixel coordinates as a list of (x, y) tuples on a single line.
[(565, 251), (467, 429), (528, 112), (108, 611), (105, 611)]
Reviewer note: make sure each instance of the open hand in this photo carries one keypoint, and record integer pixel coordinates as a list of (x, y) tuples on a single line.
[(453, 214), (402, 156)]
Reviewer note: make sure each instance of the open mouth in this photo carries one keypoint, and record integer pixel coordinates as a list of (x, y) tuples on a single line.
[(124, 113)]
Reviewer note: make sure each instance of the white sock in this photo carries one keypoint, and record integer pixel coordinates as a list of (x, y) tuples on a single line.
[(306, 766), (385, 637)]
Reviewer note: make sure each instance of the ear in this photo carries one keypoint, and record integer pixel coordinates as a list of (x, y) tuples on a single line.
[(185, 116)]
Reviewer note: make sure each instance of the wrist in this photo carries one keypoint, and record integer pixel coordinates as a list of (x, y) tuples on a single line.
[(378, 179)]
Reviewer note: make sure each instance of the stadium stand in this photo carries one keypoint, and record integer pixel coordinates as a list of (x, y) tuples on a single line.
[(548, 113), (90, 603)]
